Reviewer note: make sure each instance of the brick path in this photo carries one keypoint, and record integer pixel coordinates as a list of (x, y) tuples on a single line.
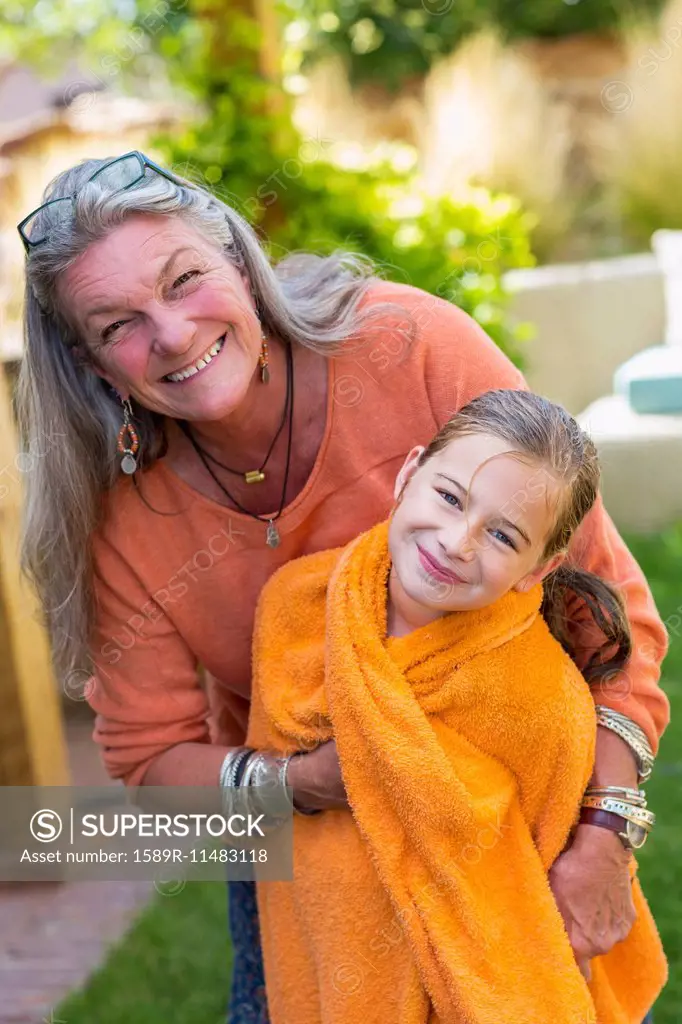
[(53, 935)]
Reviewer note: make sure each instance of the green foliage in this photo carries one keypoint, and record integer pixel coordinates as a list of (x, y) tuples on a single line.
[(52, 33), (389, 41), (243, 146), (456, 249), (302, 198)]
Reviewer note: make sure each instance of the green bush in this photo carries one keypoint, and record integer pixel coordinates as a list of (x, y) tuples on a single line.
[(456, 249), (244, 147), (388, 41), (246, 150)]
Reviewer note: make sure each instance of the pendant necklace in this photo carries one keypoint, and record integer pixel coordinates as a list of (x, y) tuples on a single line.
[(272, 536), (253, 476)]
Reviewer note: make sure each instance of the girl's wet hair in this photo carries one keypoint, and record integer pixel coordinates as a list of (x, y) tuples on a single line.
[(543, 433)]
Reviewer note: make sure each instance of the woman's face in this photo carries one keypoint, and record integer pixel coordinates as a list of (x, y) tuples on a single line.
[(150, 301), (445, 559)]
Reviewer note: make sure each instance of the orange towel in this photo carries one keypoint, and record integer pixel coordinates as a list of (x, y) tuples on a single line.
[(465, 748)]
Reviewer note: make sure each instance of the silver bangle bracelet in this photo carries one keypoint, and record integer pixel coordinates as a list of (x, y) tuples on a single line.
[(268, 782), (228, 776), (635, 796), (263, 785), (245, 791), (228, 769), (633, 735)]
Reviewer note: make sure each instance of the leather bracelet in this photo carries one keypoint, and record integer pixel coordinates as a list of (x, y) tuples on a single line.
[(633, 837), (632, 833), (604, 819)]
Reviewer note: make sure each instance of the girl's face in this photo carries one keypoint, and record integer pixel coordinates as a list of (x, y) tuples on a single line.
[(471, 526), (151, 300)]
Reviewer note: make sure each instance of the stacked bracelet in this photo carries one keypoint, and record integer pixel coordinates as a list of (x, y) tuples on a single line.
[(261, 781), (632, 734), (231, 765), (620, 809), (231, 772)]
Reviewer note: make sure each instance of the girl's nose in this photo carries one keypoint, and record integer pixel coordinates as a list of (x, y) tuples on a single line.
[(459, 543)]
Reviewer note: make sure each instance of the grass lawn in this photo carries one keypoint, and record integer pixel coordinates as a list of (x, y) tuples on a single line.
[(173, 966)]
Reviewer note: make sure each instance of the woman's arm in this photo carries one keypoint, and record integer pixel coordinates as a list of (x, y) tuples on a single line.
[(315, 779), (635, 692), (146, 691), (186, 764), (461, 362), (590, 880), (151, 710)]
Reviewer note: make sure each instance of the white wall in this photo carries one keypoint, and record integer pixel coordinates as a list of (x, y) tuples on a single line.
[(589, 318)]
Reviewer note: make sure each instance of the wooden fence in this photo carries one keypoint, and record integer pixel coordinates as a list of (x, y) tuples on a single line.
[(32, 742)]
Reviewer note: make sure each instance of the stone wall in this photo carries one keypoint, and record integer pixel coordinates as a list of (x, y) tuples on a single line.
[(589, 318)]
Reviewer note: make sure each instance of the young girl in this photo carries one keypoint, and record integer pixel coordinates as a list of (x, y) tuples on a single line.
[(433, 649)]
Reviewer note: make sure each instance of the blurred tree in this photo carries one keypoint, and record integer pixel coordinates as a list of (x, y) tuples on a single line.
[(242, 144), (226, 56), (247, 150), (391, 41), (50, 33)]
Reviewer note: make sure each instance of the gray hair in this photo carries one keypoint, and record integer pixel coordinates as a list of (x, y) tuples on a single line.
[(71, 416)]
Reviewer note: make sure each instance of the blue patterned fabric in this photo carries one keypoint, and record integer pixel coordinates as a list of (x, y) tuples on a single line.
[(247, 994)]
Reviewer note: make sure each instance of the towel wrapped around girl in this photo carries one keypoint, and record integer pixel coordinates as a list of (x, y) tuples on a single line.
[(433, 650)]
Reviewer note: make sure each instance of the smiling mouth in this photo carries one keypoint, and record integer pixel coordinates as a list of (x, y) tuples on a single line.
[(201, 363), (437, 570)]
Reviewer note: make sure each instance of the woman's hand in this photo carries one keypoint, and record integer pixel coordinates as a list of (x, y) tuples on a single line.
[(315, 778), (591, 885)]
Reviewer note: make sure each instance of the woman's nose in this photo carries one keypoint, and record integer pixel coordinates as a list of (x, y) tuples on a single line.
[(172, 332)]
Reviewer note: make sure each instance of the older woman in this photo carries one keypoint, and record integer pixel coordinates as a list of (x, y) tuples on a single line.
[(220, 416)]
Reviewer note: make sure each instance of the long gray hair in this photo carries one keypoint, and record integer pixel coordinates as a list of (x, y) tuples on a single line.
[(69, 417)]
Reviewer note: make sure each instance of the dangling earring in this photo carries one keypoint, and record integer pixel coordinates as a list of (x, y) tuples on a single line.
[(128, 442), (263, 361)]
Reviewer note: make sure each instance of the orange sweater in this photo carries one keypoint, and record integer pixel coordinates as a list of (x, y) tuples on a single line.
[(176, 591)]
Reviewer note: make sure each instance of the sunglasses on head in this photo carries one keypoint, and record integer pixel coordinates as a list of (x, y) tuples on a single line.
[(117, 175)]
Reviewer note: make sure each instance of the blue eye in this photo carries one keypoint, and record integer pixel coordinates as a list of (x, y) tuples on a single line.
[(505, 539), (451, 499)]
